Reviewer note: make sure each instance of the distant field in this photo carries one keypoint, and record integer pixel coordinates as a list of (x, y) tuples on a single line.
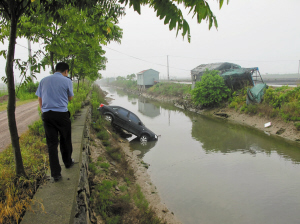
[(281, 76), (2, 87)]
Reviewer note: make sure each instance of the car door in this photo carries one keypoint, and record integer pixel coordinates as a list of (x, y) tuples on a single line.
[(121, 117), (134, 124)]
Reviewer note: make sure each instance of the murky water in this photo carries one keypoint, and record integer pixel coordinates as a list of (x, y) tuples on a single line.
[(211, 171)]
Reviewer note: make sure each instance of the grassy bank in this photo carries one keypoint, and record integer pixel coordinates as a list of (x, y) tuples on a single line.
[(282, 102), (16, 192), (24, 94), (116, 198)]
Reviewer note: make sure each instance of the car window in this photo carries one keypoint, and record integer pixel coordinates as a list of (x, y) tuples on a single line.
[(123, 112), (134, 118)]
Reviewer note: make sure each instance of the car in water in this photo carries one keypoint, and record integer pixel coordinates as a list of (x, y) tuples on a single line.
[(128, 121)]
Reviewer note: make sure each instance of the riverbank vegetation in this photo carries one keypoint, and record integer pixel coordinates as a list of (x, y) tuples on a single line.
[(115, 197), (16, 192), (169, 89), (282, 102), (211, 92)]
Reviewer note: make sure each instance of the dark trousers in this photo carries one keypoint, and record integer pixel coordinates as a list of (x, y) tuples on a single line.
[(54, 123)]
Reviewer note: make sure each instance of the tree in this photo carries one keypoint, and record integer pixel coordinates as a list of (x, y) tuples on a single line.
[(131, 77), (10, 14), (12, 10), (210, 90), (120, 78)]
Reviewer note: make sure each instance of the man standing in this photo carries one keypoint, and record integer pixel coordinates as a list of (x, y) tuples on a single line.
[(53, 93)]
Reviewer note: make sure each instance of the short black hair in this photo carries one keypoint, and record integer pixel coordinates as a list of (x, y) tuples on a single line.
[(61, 67)]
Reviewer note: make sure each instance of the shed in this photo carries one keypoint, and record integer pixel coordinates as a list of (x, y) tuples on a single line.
[(147, 78), (197, 72)]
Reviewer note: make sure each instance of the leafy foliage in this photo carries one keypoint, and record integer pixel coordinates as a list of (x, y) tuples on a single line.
[(211, 90), (169, 89), (122, 82)]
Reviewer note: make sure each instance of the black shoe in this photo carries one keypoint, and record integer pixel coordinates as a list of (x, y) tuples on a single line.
[(71, 164), (57, 178)]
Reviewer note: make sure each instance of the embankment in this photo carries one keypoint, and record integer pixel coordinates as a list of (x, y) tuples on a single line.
[(279, 127)]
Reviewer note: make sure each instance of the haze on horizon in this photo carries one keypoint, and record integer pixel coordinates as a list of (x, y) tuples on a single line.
[(251, 33)]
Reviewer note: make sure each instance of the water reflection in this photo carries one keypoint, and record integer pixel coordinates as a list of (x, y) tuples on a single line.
[(147, 108), (224, 137), (135, 144), (209, 170)]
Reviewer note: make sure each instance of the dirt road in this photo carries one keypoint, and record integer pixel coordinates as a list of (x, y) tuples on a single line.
[(25, 115)]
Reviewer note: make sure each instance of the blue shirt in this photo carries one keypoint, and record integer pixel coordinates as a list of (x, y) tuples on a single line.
[(55, 91)]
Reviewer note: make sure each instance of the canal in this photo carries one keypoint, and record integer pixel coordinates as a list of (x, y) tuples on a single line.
[(211, 171)]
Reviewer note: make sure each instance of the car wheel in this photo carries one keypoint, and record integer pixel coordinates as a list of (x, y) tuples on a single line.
[(108, 118), (144, 139)]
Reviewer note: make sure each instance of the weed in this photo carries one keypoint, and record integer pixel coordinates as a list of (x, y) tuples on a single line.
[(297, 125), (114, 153), (103, 135), (104, 165), (252, 109), (140, 200), (106, 143), (126, 179), (92, 167), (16, 193), (123, 188)]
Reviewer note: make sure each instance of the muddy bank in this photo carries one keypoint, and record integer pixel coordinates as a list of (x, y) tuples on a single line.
[(141, 177)]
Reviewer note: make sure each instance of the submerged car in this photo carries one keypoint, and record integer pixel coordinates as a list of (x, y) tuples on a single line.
[(128, 121)]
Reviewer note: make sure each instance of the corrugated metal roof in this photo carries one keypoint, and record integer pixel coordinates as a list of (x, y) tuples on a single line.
[(142, 71), (146, 70), (214, 66)]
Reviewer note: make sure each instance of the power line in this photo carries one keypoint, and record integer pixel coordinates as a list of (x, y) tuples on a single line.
[(230, 59), (145, 60), (22, 46)]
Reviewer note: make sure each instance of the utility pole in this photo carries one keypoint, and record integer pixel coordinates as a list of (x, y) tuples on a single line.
[(168, 67), (29, 56)]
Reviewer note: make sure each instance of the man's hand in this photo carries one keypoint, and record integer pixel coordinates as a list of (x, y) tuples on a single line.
[(70, 98), (40, 102)]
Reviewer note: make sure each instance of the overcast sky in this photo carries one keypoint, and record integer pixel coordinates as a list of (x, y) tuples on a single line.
[(251, 33)]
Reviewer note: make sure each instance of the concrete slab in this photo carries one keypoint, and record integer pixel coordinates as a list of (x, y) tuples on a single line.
[(55, 202)]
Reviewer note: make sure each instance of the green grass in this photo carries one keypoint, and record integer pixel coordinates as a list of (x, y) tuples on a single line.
[(283, 102), (16, 192), (169, 89), (3, 93), (3, 106)]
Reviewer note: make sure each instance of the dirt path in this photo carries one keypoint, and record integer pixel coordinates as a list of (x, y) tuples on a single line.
[(25, 115)]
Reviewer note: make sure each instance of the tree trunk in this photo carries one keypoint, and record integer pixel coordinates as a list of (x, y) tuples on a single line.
[(11, 106), (77, 84), (51, 60), (71, 67)]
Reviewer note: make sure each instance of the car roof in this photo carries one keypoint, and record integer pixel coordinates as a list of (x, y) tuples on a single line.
[(123, 108)]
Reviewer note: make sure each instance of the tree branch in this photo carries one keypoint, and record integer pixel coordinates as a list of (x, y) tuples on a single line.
[(5, 7)]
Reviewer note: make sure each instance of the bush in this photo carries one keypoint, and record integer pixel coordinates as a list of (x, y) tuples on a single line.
[(27, 91), (211, 90), (37, 128), (297, 125), (169, 89)]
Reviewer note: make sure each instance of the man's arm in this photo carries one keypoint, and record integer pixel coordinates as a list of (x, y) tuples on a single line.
[(70, 98), (40, 102)]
